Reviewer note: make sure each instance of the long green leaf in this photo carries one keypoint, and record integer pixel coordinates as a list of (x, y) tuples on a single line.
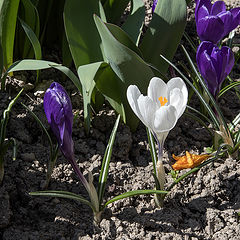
[(153, 152), (108, 83), (86, 75), (63, 194), (105, 163), (32, 64), (164, 32), (134, 193), (227, 88), (29, 16), (33, 39), (5, 118), (134, 23), (8, 18), (127, 65), (82, 35)]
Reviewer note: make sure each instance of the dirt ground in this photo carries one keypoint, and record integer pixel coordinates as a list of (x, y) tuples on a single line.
[(203, 206)]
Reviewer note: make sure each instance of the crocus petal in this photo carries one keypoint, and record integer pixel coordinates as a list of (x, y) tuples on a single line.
[(236, 15), (147, 110), (202, 3), (133, 94), (210, 28), (217, 7), (157, 88), (58, 110), (165, 119), (202, 13), (178, 98), (227, 19)]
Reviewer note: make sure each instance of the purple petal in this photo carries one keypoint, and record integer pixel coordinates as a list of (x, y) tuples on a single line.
[(227, 19), (58, 110), (202, 3), (218, 7), (210, 28), (214, 64), (154, 5)]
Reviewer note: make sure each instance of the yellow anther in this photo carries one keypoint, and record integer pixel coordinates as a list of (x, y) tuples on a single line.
[(162, 102)]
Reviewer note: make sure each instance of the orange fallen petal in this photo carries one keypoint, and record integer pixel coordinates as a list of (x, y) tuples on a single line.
[(188, 160)]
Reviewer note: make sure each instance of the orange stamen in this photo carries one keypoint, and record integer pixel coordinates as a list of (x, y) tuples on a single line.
[(162, 102)]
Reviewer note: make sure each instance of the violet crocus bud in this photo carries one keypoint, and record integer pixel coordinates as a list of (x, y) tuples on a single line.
[(213, 21), (214, 64), (58, 110)]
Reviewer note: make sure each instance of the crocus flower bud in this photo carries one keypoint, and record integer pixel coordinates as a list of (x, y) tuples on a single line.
[(214, 64), (213, 21), (58, 110)]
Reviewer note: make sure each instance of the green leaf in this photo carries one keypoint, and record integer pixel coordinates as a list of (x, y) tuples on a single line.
[(227, 88), (5, 118), (164, 33), (29, 15), (63, 194), (86, 75), (31, 64), (108, 83), (33, 39), (8, 18), (134, 193), (134, 23), (105, 163), (114, 9), (153, 152), (82, 35), (127, 65)]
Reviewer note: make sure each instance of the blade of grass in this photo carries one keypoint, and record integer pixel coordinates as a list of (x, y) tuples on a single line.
[(106, 160), (63, 194), (134, 193)]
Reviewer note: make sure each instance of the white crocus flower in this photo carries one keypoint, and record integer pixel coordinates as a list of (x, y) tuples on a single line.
[(159, 110)]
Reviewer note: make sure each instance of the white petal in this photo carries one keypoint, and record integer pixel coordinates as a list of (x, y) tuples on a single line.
[(165, 119), (133, 94), (147, 110), (157, 88), (177, 100), (180, 105)]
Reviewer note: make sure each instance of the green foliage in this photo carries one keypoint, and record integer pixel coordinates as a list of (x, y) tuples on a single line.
[(134, 23), (123, 60), (164, 33), (82, 35), (29, 20), (8, 18)]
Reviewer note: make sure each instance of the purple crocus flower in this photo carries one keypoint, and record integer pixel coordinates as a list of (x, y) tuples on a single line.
[(214, 64), (58, 110), (154, 5), (213, 21)]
